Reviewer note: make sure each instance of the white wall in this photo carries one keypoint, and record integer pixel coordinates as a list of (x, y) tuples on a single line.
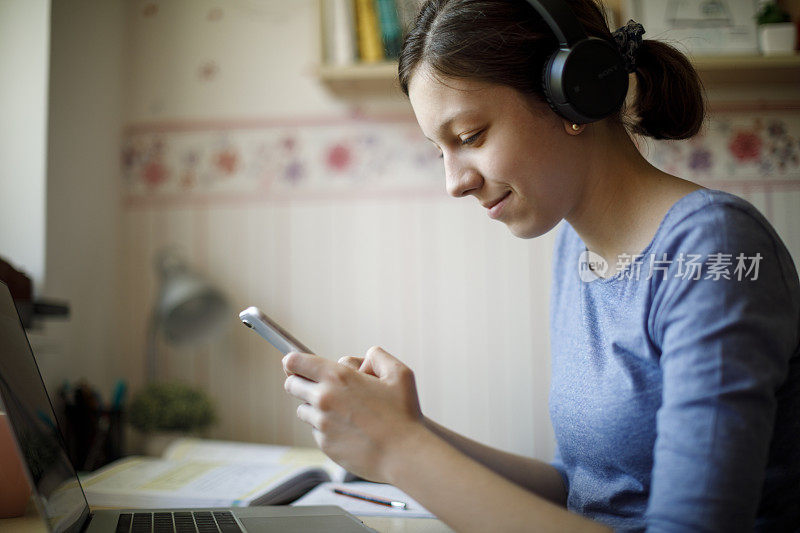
[(24, 50), (339, 259), (375, 254), (86, 92)]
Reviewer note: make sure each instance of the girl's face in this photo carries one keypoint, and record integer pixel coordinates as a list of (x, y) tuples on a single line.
[(508, 150)]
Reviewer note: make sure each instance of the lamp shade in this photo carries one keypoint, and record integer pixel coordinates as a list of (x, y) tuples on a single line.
[(188, 310)]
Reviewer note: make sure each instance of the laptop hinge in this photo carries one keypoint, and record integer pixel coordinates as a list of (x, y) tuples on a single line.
[(87, 522)]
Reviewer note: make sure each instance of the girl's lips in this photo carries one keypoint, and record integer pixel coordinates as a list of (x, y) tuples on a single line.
[(494, 211)]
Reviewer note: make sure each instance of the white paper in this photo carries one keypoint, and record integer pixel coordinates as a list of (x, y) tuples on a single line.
[(323, 495)]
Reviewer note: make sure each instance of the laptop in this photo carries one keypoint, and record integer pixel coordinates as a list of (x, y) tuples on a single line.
[(57, 489)]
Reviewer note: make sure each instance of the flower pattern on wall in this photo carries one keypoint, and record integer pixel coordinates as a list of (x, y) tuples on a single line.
[(742, 146), (745, 146), (226, 161), (280, 159), (339, 158), (207, 71), (392, 155)]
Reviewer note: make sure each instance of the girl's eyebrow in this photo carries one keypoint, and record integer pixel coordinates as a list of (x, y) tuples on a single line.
[(445, 126)]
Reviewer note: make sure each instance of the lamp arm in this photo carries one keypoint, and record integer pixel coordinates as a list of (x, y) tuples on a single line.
[(152, 341)]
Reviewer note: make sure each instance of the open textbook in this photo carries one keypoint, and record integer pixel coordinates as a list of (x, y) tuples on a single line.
[(209, 473)]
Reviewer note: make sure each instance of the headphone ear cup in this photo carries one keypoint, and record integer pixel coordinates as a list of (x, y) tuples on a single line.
[(552, 86), (546, 82), (586, 82)]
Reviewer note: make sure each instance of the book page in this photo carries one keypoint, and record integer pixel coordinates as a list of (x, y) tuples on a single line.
[(246, 452), (146, 482), (243, 452)]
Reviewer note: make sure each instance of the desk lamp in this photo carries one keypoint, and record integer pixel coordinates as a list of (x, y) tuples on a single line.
[(188, 310)]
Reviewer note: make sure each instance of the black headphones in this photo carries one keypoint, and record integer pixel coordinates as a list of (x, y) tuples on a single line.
[(585, 79)]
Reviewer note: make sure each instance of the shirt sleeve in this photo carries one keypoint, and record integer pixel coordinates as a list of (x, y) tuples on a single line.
[(725, 348)]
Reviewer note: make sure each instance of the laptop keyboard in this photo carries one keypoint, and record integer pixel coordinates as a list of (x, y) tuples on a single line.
[(178, 522)]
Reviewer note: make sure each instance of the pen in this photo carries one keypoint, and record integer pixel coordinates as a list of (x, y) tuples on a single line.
[(118, 395), (370, 498)]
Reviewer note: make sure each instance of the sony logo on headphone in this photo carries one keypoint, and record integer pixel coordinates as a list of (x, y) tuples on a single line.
[(607, 72)]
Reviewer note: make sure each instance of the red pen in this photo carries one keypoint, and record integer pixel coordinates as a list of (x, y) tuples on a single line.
[(371, 498)]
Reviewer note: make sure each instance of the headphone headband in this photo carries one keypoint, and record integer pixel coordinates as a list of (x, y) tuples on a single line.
[(561, 21), (585, 79)]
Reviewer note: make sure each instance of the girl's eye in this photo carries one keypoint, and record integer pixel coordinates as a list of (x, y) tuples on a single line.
[(465, 142), (471, 139)]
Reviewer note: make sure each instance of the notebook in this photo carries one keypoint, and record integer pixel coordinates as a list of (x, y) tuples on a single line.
[(58, 492), (242, 474)]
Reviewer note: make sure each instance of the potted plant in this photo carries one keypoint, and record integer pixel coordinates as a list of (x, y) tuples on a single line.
[(777, 34), (168, 411)]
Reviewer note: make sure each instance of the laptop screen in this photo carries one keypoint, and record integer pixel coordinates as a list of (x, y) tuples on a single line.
[(33, 423)]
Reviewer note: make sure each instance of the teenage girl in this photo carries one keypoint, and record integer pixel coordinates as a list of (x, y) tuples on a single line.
[(675, 392)]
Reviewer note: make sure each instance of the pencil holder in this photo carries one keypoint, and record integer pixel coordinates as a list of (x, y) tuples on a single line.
[(93, 437)]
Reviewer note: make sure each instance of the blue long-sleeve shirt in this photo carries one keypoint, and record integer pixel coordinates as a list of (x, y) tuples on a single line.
[(675, 396)]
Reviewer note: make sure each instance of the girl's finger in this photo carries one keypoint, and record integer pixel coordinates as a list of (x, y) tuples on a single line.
[(307, 365), (302, 388), (308, 414), (380, 363), (351, 361)]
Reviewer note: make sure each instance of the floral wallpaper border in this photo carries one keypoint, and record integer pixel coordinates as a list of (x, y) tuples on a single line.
[(266, 160), (736, 146)]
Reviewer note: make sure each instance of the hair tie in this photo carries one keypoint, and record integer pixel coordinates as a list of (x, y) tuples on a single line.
[(629, 39)]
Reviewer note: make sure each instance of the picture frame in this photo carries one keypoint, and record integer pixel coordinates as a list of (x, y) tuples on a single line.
[(698, 27)]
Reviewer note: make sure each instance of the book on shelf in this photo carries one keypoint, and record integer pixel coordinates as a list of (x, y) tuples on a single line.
[(210, 473), (391, 32), (407, 11), (366, 31), (339, 31), (370, 44)]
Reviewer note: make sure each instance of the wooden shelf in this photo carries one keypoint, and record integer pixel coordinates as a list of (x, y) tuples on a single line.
[(360, 80), (714, 70), (749, 69), (385, 70), (725, 62)]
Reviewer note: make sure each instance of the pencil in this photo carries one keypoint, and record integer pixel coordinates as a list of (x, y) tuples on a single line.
[(370, 498)]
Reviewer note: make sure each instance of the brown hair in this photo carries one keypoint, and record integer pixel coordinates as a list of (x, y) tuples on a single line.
[(506, 42)]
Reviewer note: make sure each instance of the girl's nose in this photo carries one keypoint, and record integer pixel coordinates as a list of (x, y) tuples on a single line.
[(460, 178)]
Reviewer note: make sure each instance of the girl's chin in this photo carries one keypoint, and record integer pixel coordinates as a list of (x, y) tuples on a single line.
[(530, 228)]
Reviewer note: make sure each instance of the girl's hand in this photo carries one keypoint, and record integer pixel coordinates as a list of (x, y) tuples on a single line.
[(362, 364), (363, 420)]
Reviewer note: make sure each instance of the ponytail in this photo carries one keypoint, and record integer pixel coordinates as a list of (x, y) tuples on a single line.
[(669, 102)]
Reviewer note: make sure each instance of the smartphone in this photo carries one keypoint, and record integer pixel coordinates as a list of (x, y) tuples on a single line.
[(253, 318)]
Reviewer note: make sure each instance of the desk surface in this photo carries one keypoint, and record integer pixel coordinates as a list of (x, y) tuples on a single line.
[(31, 523)]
